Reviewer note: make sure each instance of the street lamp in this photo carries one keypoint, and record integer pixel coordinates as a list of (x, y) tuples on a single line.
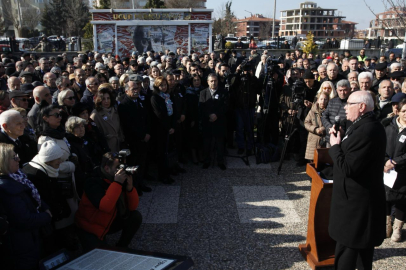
[(273, 23)]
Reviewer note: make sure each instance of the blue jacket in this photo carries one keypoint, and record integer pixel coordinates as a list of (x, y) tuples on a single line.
[(22, 240)]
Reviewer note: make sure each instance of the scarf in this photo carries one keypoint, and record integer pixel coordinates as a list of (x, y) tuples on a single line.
[(193, 91), (50, 171), (21, 178), (58, 133), (107, 113), (168, 102)]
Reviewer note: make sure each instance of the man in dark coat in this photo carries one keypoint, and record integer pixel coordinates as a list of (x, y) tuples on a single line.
[(213, 104), (134, 121), (357, 216), (12, 132), (336, 106)]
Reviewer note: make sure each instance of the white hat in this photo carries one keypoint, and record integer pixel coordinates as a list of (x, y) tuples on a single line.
[(49, 151)]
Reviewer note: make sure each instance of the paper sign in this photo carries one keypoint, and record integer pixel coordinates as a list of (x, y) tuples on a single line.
[(389, 178)]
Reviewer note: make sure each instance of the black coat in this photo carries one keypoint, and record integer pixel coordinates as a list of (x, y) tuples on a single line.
[(244, 94), (50, 192), (217, 105), (27, 149), (357, 216), (134, 120), (161, 121), (179, 102), (396, 149), (85, 166), (97, 143), (22, 241)]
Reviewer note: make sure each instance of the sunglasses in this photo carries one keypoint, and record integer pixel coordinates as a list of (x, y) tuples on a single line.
[(94, 84), (70, 98), (23, 99), (57, 115), (88, 69), (16, 157)]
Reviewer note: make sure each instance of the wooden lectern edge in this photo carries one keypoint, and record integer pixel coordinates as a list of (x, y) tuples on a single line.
[(313, 263), (317, 186)]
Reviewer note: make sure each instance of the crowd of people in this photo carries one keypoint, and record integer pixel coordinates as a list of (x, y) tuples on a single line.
[(64, 123)]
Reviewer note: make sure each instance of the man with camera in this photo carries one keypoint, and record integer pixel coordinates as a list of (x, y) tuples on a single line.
[(243, 94), (297, 99), (108, 204)]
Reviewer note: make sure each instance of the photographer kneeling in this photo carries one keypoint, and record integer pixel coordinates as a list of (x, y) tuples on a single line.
[(108, 205)]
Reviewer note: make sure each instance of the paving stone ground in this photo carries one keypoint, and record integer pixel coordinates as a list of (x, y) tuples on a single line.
[(241, 218)]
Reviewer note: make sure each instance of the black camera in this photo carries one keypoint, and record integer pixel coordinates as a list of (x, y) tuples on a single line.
[(122, 156), (272, 64), (298, 93)]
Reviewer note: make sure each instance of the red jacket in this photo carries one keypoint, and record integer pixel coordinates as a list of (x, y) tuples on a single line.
[(97, 209)]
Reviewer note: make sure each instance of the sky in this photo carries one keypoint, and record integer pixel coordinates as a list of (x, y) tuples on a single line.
[(353, 10)]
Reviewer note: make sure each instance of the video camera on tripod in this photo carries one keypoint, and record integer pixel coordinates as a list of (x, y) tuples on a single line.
[(298, 94)]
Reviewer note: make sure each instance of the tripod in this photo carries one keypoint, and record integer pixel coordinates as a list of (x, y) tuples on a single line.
[(246, 92), (289, 132)]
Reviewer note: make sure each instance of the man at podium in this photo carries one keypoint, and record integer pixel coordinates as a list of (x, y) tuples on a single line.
[(357, 218)]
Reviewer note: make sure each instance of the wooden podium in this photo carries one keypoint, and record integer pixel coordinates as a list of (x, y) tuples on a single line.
[(319, 248)]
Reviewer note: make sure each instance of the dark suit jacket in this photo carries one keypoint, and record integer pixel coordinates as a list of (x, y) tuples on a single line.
[(160, 119), (357, 216), (78, 91), (134, 120), (27, 149), (217, 105)]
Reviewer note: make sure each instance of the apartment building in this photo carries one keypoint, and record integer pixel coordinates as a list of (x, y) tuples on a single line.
[(389, 24), (256, 26), (322, 22)]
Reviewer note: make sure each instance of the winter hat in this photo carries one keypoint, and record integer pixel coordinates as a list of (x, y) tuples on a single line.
[(49, 151)]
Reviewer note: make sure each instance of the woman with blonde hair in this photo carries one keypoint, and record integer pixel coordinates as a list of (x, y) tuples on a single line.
[(329, 88), (123, 80), (26, 213), (314, 125)]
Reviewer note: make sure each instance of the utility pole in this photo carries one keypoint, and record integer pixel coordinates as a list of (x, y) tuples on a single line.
[(20, 20), (273, 23)]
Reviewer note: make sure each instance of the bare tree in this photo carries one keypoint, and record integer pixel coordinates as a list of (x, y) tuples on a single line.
[(120, 4), (31, 16), (224, 23), (78, 15), (265, 28), (394, 21), (183, 3), (11, 15)]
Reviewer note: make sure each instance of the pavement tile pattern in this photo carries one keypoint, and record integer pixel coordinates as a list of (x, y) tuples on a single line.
[(246, 217)]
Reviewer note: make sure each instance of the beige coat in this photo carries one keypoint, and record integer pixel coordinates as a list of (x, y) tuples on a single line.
[(313, 121), (109, 125)]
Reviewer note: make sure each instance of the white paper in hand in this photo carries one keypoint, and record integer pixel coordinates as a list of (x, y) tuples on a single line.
[(389, 178)]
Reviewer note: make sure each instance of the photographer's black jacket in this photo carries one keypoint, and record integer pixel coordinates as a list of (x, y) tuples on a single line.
[(243, 94), (134, 119)]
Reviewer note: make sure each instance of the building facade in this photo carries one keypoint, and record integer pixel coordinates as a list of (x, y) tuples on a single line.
[(256, 26), (122, 31), (322, 22), (389, 24), (139, 3)]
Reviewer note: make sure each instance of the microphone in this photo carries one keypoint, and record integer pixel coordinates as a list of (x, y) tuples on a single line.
[(337, 123)]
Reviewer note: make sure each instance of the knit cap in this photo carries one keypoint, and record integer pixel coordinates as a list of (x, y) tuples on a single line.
[(49, 151)]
